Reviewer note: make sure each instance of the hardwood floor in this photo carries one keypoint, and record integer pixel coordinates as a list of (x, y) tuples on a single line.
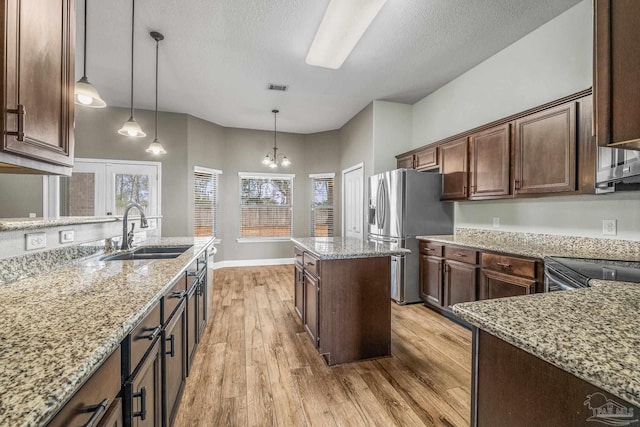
[(256, 365)]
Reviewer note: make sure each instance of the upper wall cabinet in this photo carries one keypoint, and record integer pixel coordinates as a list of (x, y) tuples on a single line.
[(490, 163), (545, 151), (37, 121), (424, 159), (617, 72), (454, 168)]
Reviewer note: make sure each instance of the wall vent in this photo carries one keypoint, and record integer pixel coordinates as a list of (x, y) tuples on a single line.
[(274, 86)]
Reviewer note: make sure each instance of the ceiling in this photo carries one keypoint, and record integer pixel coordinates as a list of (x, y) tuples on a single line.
[(219, 55)]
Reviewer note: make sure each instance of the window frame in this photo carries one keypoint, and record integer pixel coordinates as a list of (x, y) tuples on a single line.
[(216, 228), (312, 206), (260, 175)]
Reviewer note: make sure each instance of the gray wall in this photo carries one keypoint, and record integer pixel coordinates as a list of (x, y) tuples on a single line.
[(391, 133), (20, 195)]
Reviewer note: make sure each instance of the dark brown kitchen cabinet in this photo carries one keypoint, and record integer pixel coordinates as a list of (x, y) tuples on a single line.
[(299, 291), (192, 326), (174, 363), (460, 282), (406, 162), (454, 169), (431, 262), (113, 417), (201, 293), (506, 275), (143, 391), (426, 159), (545, 151), (311, 301), (490, 163), (95, 398), (39, 50), (617, 72)]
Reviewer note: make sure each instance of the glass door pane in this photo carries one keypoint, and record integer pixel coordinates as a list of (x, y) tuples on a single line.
[(132, 183)]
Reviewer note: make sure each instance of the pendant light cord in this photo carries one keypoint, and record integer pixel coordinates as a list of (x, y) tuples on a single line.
[(157, 46), (84, 58), (133, 12), (275, 130)]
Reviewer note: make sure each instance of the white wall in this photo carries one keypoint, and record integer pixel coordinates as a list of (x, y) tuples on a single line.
[(391, 133), (553, 61)]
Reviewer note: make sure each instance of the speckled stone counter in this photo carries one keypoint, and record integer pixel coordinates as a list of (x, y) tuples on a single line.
[(9, 224), (347, 247), (541, 245), (58, 327), (591, 333)]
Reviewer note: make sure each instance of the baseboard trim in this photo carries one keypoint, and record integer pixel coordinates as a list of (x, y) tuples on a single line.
[(252, 262)]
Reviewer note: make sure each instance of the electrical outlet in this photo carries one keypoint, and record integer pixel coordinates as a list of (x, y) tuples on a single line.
[(152, 224), (609, 227), (66, 236), (496, 222), (35, 241)]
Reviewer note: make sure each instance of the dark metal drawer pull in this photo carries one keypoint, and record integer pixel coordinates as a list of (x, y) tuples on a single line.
[(154, 333), (97, 411), (192, 273), (172, 351), (177, 294), (142, 394), (19, 134), (429, 249), (503, 264), (460, 255), (309, 263)]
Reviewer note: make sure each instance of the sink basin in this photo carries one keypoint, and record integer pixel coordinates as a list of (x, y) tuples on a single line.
[(148, 252)]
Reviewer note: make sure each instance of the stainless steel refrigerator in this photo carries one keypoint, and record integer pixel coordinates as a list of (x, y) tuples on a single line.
[(403, 204)]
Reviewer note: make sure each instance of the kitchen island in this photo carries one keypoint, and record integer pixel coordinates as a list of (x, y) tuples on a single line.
[(343, 294), (58, 328), (562, 358)]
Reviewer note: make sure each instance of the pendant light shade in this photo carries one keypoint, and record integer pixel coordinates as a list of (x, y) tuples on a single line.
[(271, 160), (155, 147), (85, 93), (131, 127)]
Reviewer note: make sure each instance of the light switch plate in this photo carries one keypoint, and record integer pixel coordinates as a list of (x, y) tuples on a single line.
[(609, 227), (496, 222), (67, 236), (35, 241)]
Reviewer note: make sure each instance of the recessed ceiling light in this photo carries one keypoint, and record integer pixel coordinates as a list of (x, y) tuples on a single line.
[(344, 22)]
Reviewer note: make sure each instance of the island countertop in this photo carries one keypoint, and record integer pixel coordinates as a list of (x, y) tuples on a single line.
[(591, 333), (57, 328), (348, 247)]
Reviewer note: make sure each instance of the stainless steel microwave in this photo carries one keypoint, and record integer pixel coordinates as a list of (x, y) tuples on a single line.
[(616, 166)]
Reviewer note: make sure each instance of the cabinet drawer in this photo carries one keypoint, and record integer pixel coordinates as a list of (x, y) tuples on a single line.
[(311, 263), (144, 335), (172, 298), (469, 256), (430, 248), (297, 253), (509, 265), (103, 386)]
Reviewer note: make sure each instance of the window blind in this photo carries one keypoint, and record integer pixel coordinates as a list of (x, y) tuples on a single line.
[(322, 211), (205, 202), (266, 205)]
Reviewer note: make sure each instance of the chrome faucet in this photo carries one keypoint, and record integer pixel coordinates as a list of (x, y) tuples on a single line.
[(127, 238)]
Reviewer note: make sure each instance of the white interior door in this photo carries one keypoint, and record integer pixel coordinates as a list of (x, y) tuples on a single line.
[(353, 202)]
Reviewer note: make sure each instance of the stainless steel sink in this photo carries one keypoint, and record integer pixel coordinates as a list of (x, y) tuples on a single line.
[(148, 252)]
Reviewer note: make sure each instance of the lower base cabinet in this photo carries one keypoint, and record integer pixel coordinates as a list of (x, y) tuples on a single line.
[(113, 417), (311, 291), (174, 364), (299, 291), (144, 390)]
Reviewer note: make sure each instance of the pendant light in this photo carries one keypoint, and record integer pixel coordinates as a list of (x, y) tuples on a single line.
[(155, 147), (131, 127), (271, 160), (85, 93)]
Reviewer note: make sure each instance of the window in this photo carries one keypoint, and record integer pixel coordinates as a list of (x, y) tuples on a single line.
[(206, 220), (322, 205), (266, 206)]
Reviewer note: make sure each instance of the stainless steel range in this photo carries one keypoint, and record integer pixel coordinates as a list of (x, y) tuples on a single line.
[(562, 274)]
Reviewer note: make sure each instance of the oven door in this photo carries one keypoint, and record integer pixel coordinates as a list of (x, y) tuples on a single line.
[(554, 280)]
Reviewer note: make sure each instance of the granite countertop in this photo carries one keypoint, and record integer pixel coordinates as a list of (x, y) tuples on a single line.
[(591, 333), (348, 247), (12, 224), (56, 328), (540, 245)]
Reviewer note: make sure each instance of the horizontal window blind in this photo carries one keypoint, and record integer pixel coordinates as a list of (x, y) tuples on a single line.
[(322, 212), (266, 206), (206, 207)]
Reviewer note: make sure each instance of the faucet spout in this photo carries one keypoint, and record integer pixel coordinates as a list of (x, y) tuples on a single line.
[(127, 237)]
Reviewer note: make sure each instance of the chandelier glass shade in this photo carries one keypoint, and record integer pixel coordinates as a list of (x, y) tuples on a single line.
[(272, 159)]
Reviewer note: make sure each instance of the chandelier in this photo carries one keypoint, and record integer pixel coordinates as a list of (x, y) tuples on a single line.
[(270, 159)]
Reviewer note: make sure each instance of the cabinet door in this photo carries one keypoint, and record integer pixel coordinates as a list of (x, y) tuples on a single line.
[(192, 326), (311, 308), (426, 158), (431, 280), (39, 80), (545, 151), (460, 282), (406, 162), (201, 295), (143, 392), (299, 292), (113, 417), (616, 65), (497, 285), (453, 167), (174, 366), (489, 171)]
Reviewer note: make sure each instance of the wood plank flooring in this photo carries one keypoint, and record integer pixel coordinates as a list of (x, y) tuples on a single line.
[(256, 365)]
